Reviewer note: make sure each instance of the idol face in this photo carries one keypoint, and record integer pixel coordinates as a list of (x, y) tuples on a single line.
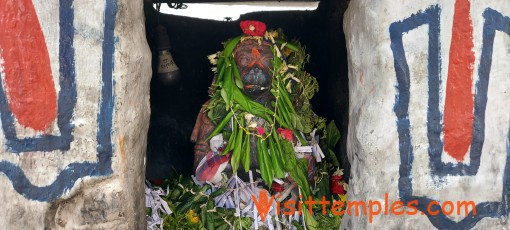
[(254, 65)]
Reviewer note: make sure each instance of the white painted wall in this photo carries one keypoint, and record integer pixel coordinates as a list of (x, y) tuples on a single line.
[(112, 198), (373, 140)]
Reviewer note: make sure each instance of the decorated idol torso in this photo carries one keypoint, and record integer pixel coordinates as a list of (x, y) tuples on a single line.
[(253, 61), (259, 114)]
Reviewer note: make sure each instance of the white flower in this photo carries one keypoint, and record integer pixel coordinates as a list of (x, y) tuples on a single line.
[(216, 142), (213, 58), (338, 172), (248, 117)]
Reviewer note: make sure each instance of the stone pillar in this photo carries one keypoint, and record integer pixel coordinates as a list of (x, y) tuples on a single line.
[(429, 116), (74, 106)]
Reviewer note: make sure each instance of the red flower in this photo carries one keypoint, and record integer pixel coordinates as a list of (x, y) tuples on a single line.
[(336, 185), (157, 182), (260, 131), (253, 28), (286, 133), (277, 187)]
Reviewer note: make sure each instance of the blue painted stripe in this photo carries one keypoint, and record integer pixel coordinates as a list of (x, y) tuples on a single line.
[(105, 115), (397, 29)]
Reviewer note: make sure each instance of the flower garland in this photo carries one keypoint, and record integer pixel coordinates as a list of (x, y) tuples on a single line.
[(292, 116)]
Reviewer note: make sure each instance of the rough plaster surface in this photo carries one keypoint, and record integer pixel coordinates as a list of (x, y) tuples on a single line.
[(380, 162), (109, 194)]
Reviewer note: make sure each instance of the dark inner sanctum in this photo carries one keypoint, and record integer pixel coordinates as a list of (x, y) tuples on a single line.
[(174, 107)]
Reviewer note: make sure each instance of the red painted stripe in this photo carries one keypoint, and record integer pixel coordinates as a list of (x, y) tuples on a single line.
[(26, 69), (458, 112)]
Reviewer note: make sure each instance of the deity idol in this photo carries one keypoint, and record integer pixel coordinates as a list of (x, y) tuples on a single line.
[(259, 115)]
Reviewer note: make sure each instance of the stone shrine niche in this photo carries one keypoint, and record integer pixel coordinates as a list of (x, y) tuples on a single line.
[(175, 108)]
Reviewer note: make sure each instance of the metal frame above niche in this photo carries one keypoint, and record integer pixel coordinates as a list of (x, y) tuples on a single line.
[(227, 10), (223, 1)]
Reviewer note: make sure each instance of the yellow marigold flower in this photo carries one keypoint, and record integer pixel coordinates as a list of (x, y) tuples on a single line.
[(343, 198), (192, 218), (287, 52)]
